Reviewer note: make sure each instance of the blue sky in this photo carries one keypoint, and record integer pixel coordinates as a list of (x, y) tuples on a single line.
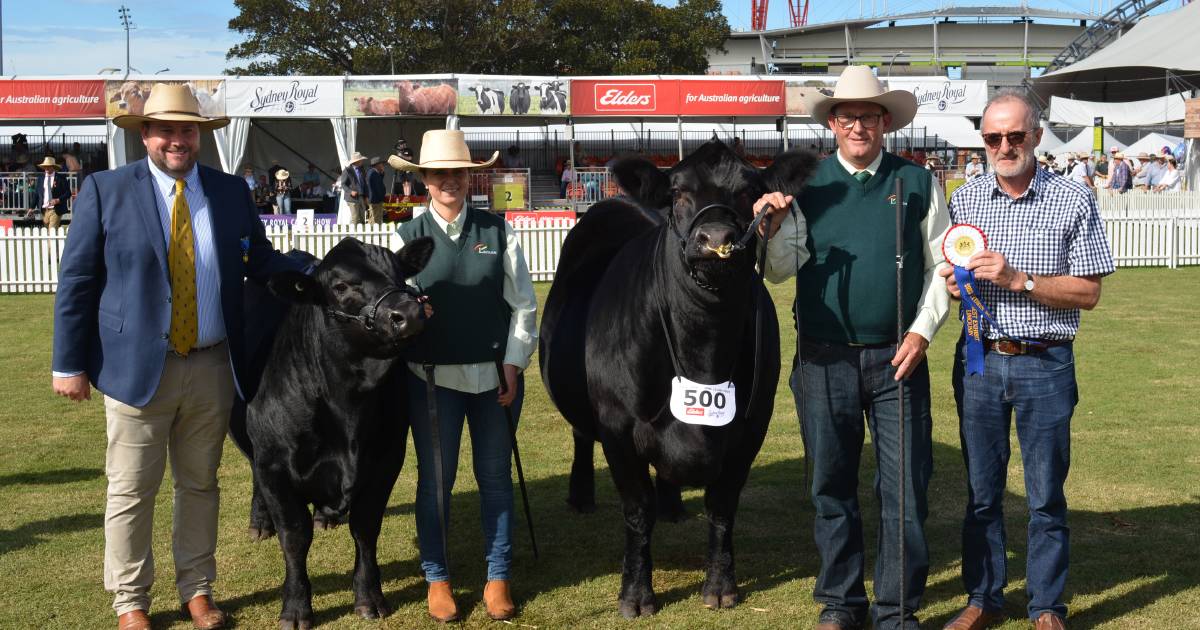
[(55, 37)]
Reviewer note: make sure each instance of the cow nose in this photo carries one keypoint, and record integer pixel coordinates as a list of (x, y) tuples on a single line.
[(399, 321), (716, 239)]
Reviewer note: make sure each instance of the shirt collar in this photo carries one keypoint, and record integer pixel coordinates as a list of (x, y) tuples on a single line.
[(167, 182), (445, 225), (1040, 175), (871, 168)]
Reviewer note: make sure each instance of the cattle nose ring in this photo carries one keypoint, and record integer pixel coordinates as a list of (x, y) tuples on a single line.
[(724, 251)]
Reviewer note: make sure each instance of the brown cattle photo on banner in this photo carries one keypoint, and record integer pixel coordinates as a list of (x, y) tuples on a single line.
[(129, 97), (401, 97)]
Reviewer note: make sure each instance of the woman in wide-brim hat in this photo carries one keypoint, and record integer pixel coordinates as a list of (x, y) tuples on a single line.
[(484, 312)]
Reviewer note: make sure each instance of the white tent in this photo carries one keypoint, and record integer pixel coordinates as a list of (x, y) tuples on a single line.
[(1082, 143), (1152, 111), (1153, 143), (958, 131), (1136, 65), (1050, 142)]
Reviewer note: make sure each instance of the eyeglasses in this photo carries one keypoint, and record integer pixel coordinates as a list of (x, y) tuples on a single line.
[(869, 121), (1015, 138)]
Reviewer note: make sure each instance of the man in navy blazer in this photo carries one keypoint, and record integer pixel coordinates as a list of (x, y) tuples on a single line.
[(53, 205), (115, 327)]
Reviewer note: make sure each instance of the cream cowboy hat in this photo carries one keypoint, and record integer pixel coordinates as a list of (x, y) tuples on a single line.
[(1118, 155), (442, 148), (170, 103), (50, 163), (355, 158), (282, 174), (858, 84)]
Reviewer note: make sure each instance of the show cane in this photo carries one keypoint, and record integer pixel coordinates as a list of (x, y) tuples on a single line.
[(900, 520), (512, 432)]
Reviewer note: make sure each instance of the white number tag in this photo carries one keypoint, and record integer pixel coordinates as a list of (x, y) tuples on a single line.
[(708, 405)]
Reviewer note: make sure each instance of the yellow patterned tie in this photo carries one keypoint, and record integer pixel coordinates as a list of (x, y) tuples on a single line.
[(182, 262)]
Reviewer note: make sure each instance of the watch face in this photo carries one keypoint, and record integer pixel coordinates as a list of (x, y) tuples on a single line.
[(1028, 284)]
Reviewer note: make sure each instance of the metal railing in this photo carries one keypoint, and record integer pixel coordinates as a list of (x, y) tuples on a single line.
[(501, 188), (18, 191)]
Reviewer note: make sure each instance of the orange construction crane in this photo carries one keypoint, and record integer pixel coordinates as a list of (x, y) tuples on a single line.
[(798, 10)]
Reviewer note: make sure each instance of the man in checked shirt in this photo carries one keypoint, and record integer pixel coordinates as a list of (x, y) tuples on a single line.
[(1046, 254)]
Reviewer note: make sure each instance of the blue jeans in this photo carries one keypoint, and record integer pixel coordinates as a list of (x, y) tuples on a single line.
[(284, 203), (491, 448), (836, 387), (1041, 389)]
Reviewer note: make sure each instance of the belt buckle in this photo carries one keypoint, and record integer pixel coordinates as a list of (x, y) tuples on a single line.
[(1004, 347)]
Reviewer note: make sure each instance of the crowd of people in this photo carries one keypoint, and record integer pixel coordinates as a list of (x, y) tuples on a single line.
[(1119, 173)]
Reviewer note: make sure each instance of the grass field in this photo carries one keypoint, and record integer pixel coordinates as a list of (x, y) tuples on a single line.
[(1134, 492)]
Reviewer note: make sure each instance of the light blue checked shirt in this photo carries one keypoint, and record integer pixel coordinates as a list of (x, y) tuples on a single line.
[(1052, 229), (208, 285)]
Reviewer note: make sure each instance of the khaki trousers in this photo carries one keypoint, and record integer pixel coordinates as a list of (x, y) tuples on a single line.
[(358, 208), (51, 218), (375, 213), (184, 423)]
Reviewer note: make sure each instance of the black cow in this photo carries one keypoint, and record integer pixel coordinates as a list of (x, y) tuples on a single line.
[(488, 99), (326, 427), (640, 280), (554, 99), (518, 99)]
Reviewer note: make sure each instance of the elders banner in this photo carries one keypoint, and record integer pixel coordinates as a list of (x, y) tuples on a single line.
[(674, 97), (52, 99), (731, 98), (284, 98)]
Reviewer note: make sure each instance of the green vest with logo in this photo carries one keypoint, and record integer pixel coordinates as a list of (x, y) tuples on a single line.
[(465, 284), (846, 292)]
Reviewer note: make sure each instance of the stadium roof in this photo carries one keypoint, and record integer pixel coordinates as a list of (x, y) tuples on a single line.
[(948, 12)]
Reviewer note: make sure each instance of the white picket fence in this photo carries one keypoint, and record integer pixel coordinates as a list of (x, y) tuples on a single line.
[(29, 257)]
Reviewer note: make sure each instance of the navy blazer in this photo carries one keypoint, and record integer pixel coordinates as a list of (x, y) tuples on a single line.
[(61, 192), (113, 310)]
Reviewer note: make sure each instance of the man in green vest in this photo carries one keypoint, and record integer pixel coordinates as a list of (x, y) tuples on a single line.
[(841, 247)]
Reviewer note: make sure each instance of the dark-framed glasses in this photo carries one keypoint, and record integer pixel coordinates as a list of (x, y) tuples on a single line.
[(869, 121), (1015, 138)]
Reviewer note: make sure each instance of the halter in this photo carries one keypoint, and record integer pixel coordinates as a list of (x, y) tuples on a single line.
[(366, 316), (725, 251)]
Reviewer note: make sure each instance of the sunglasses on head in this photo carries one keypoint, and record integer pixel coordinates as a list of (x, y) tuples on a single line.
[(1015, 138)]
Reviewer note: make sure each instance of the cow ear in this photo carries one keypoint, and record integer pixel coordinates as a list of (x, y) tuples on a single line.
[(790, 170), (643, 181), (295, 287), (413, 257)]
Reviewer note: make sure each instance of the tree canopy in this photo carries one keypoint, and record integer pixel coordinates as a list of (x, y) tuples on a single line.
[(550, 37)]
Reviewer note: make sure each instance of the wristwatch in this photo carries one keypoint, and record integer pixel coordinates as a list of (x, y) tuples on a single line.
[(1028, 288)]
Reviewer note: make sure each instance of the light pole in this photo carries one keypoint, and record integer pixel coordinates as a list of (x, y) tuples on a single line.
[(890, 140), (162, 71), (898, 53), (127, 22)]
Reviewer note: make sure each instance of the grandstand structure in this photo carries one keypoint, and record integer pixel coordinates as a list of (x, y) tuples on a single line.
[(1001, 44)]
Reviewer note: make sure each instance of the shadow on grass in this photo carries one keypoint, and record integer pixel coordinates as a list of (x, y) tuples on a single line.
[(41, 531), (50, 477)]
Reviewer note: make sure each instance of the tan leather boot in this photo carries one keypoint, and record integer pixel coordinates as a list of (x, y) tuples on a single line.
[(441, 602), (498, 600)]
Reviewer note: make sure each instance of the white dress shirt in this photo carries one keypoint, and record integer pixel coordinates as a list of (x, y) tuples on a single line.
[(786, 253)]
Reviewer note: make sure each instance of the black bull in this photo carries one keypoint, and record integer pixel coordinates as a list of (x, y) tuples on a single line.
[(326, 427), (631, 289)]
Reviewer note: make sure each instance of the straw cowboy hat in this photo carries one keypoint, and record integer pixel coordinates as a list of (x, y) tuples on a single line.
[(1043, 159), (282, 174), (356, 158), (1118, 155), (442, 148), (170, 103), (50, 163), (858, 84), (975, 156)]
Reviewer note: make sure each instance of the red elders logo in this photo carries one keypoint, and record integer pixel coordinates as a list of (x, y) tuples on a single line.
[(625, 97), (695, 411)]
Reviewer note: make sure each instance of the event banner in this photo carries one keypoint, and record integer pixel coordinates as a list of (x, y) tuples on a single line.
[(512, 96), (798, 88), (129, 97), (51, 99), (939, 95), (676, 97), (401, 96), (281, 98)]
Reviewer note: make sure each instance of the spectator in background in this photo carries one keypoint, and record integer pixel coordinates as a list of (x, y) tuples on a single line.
[(512, 157), (1154, 171), (376, 191), (404, 182), (248, 175), (71, 159), (311, 180), (283, 192), (974, 167), (53, 193), (1138, 170), (354, 186), (1121, 178), (1170, 179), (568, 175), (1079, 172), (738, 147), (1102, 165)]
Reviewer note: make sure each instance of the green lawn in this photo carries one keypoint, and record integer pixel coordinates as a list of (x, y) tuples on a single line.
[(1134, 491)]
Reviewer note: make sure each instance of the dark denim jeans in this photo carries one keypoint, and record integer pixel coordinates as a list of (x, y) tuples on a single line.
[(1040, 388), (836, 386), (491, 451)]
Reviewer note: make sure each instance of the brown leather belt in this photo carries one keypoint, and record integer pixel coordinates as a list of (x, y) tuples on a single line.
[(195, 350), (1013, 347)]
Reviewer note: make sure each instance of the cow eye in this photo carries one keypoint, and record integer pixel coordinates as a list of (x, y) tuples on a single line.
[(340, 288)]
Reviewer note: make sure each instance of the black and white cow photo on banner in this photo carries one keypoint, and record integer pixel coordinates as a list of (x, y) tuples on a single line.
[(512, 96)]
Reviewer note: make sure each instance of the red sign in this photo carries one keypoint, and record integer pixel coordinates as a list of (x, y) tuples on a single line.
[(52, 99), (674, 97)]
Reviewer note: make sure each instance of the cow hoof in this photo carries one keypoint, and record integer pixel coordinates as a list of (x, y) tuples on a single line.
[(372, 611), (631, 609), (295, 624), (581, 506), (259, 534), (320, 523), (716, 600)]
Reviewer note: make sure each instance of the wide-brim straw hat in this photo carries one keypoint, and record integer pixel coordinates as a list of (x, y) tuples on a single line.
[(858, 84), (1043, 159), (282, 174), (170, 103), (442, 148), (356, 158), (1118, 155), (49, 162)]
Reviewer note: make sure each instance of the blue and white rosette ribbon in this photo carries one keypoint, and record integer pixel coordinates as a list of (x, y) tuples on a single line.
[(961, 243)]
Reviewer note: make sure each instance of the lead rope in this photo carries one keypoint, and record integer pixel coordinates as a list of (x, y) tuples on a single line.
[(439, 479), (795, 212)]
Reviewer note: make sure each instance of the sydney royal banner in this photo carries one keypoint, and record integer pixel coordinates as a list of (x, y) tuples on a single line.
[(674, 97), (283, 98), (939, 95), (52, 99)]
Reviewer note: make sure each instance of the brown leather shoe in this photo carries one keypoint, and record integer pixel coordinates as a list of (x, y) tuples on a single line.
[(1049, 621), (204, 613), (974, 618), (441, 602), (134, 620), (498, 600)]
